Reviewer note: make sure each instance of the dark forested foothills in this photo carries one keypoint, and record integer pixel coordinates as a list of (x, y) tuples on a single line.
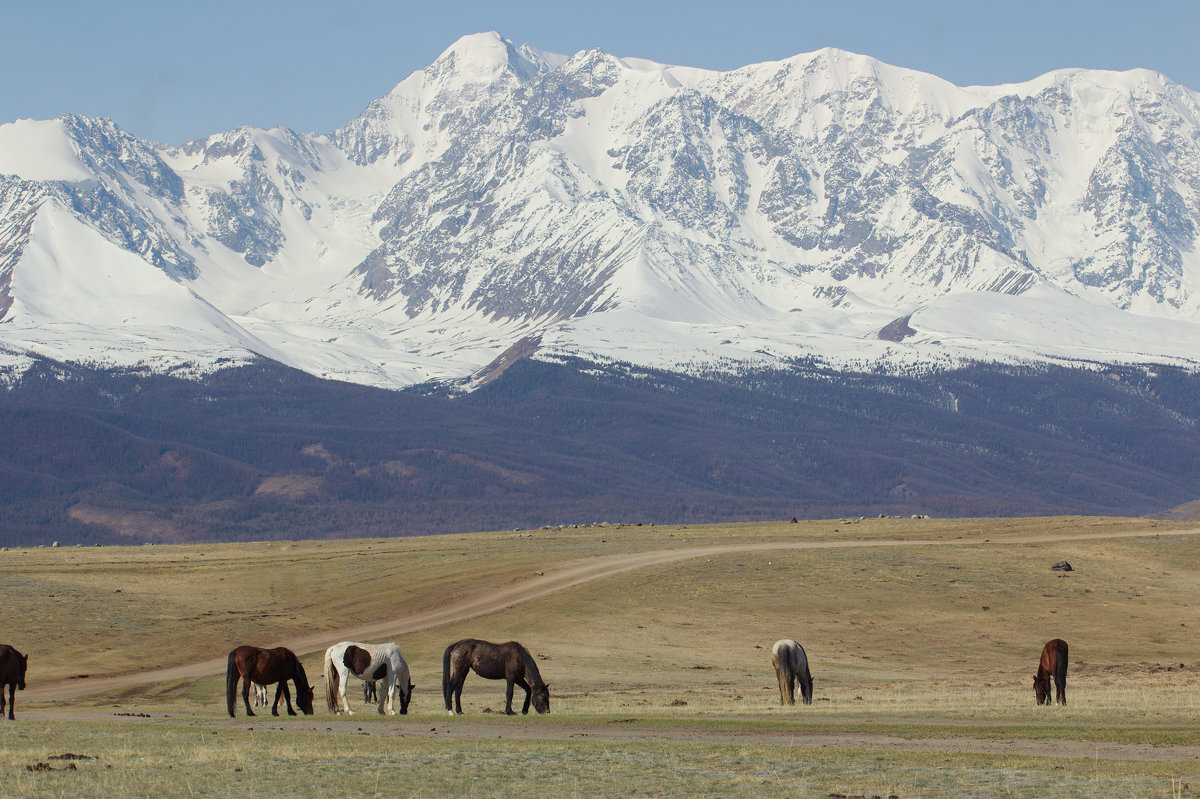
[(267, 453), (922, 636)]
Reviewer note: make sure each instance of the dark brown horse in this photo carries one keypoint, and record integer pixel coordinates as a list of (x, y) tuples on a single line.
[(266, 666), (510, 662), (12, 674), (1053, 662)]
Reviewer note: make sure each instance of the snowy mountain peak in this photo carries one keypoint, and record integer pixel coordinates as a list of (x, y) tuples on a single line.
[(824, 206), (481, 57)]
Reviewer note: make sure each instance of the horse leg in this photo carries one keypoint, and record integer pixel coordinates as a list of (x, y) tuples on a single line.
[(1060, 689), (246, 695), (343, 702), (2, 699), (456, 685), (386, 703), (528, 694), (508, 692), (12, 699), (287, 696)]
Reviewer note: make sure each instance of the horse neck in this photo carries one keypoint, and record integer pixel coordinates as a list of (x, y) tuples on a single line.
[(298, 675), (531, 669)]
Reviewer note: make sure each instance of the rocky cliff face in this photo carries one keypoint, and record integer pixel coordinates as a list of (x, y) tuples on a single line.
[(624, 209)]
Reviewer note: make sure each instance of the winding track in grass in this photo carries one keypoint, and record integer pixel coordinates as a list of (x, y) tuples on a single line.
[(553, 580)]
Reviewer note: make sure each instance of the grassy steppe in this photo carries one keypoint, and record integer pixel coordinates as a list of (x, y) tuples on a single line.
[(923, 635)]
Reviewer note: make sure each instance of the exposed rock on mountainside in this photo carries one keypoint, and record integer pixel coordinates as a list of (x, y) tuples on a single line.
[(826, 205)]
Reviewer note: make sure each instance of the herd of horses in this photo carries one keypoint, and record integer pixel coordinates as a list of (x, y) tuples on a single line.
[(376, 664), (381, 664)]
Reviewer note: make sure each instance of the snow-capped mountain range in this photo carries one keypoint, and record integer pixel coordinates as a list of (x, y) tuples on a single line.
[(827, 205)]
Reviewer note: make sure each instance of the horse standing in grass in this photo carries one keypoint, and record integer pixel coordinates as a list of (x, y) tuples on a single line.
[(266, 666), (510, 662), (1053, 662), (368, 662), (12, 674), (791, 665)]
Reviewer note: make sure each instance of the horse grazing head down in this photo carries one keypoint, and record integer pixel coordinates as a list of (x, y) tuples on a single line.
[(304, 698), (1040, 688), (540, 694), (405, 698), (21, 672)]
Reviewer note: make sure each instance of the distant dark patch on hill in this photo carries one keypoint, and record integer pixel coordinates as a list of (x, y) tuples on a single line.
[(265, 452)]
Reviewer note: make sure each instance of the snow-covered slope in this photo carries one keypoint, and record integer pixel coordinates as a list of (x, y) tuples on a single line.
[(826, 205)]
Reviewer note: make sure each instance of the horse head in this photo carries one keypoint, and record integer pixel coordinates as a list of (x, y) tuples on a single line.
[(21, 675), (405, 698), (304, 698), (541, 697), (1039, 689)]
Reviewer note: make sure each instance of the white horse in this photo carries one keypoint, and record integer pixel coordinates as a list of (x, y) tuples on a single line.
[(791, 665), (368, 662)]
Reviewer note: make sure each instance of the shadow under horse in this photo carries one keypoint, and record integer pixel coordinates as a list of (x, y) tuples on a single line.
[(267, 666), (509, 661), (1053, 663)]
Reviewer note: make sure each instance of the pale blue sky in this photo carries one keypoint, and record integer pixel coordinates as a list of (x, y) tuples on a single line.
[(174, 71)]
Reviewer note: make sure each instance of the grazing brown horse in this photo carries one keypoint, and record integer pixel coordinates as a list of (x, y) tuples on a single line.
[(510, 662), (12, 674), (266, 666), (1053, 662)]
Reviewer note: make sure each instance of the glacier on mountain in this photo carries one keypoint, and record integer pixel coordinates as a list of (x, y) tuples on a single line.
[(827, 206)]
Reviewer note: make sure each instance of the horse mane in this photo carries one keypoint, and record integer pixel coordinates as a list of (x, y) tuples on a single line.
[(298, 674), (535, 676)]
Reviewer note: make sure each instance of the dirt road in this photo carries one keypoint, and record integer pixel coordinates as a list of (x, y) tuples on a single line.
[(554, 579)]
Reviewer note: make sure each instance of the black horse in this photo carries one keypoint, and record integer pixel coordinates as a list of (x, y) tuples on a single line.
[(12, 674), (510, 662)]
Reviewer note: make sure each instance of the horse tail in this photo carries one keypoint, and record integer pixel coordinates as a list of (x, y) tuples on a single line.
[(446, 676), (1060, 670), (331, 682), (231, 679)]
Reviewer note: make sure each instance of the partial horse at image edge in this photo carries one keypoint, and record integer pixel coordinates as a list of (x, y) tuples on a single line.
[(253, 664), (509, 661), (1053, 663), (12, 674), (791, 666)]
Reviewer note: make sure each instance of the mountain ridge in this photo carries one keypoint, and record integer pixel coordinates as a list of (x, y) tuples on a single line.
[(622, 210)]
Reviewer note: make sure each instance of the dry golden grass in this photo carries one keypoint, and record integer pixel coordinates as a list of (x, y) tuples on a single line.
[(918, 631)]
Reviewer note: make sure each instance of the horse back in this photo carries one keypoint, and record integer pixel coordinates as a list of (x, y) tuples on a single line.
[(265, 666), (790, 654), (1054, 657), (488, 660), (12, 664)]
